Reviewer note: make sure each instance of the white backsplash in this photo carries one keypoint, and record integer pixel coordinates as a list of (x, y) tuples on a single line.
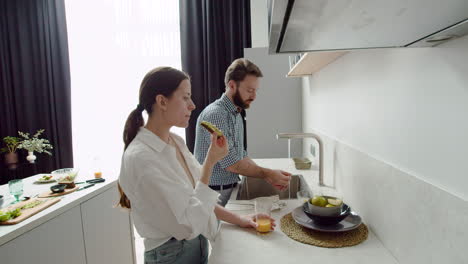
[(416, 221)]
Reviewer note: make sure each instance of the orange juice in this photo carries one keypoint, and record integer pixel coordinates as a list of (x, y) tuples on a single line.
[(97, 175), (264, 225)]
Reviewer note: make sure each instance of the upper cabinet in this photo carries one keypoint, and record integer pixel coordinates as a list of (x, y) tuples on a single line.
[(319, 25)]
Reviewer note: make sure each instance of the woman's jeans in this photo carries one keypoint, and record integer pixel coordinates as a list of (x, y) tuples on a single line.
[(179, 252)]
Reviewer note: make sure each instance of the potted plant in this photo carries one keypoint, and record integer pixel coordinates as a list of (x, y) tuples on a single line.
[(11, 157), (34, 144)]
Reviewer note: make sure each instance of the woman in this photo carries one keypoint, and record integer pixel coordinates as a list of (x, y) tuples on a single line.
[(172, 207)]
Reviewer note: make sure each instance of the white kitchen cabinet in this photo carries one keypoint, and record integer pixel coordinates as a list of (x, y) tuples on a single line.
[(59, 240), (107, 230)]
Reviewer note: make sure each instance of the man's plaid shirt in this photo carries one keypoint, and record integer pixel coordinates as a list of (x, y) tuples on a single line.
[(223, 114)]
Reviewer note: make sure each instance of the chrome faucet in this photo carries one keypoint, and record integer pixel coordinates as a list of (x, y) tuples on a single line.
[(290, 136)]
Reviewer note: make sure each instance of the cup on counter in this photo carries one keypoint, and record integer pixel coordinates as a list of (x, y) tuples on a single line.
[(263, 207), (16, 189)]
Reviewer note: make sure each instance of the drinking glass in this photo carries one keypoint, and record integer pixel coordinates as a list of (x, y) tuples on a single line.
[(263, 207), (16, 189)]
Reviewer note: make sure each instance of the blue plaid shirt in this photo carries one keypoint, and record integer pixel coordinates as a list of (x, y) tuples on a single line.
[(223, 114)]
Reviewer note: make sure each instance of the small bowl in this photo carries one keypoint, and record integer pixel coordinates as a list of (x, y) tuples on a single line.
[(325, 211), (327, 220), (58, 188)]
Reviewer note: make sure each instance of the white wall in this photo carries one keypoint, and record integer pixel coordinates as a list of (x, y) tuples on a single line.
[(277, 108), (405, 107), (259, 23)]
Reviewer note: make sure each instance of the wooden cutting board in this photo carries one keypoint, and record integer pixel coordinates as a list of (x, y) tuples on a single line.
[(52, 194), (26, 213)]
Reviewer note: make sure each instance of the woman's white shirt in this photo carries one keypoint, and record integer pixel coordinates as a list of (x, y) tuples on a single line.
[(163, 200)]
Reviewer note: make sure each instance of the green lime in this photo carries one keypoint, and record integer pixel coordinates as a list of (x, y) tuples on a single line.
[(319, 201), (335, 202)]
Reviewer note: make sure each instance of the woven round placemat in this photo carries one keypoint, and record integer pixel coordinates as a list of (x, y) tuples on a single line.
[(322, 239)]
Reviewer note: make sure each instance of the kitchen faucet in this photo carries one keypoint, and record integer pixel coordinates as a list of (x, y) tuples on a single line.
[(290, 136)]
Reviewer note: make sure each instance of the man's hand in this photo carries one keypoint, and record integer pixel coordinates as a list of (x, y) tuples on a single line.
[(278, 178)]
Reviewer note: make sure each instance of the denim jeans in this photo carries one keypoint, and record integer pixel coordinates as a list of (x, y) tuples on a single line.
[(180, 252)]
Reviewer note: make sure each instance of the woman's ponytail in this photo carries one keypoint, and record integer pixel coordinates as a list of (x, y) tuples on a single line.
[(133, 124)]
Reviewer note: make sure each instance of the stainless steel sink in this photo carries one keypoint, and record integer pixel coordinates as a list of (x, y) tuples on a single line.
[(251, 188)]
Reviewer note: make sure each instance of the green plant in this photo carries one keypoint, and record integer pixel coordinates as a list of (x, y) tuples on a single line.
[(11, 144), (35, 143)]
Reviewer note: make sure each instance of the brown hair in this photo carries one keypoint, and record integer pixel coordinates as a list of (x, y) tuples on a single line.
[(240, 68), (161, 80)]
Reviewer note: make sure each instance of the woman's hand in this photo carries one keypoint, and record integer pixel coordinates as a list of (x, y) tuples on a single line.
[(249, 221), (218, 148)]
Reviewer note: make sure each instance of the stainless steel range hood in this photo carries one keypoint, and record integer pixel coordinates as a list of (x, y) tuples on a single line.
[(318, 25)]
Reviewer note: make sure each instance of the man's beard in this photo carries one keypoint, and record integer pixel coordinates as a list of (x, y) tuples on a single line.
[(239, 102)]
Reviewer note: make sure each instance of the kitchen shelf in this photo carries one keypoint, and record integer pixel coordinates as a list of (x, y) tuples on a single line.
[(313, 62)]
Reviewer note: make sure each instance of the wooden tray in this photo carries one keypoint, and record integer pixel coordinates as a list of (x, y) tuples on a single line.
[(52, 194), (26, 213)]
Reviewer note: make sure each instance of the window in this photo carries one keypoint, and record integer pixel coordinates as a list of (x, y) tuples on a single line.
[(112, 45)]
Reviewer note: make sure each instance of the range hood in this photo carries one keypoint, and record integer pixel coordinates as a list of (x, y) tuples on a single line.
[(319, 25)]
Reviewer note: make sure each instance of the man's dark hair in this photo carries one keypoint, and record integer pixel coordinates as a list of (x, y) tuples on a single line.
[(239, 69)]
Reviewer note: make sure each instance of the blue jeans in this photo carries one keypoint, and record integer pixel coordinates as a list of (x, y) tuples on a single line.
[(179, 252)]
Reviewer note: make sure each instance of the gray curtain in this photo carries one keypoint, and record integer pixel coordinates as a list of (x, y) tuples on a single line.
[(213, 33), (35, 80)]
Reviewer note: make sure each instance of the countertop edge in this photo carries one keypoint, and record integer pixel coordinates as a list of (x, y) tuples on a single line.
[(54, 211)]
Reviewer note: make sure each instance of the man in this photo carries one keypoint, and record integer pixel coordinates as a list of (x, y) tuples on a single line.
[(242, 82)]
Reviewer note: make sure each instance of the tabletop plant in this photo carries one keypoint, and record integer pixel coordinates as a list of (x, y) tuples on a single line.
[(11, 144), (34, 143)]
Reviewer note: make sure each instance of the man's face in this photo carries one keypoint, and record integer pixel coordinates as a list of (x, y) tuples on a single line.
[(246, 91)]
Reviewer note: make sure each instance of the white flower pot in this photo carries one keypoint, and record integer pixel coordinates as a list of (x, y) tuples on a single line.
[(31, 157)]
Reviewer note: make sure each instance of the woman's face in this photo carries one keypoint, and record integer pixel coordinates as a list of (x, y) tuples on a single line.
[(180, 105)]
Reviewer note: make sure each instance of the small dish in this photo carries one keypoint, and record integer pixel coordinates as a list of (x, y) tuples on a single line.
[(352, 221), (327, 220), (45, 178), (58, 188)]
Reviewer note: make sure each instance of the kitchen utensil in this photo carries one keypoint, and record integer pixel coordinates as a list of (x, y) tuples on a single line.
[(86, 186), (351, 222), (327, 220), (92, 181)]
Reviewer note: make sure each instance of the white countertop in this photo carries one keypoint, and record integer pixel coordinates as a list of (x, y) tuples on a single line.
[(68, 201), (241, 245)]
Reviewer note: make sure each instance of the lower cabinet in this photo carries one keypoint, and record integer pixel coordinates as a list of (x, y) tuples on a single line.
[(90, 233), (108, 235), (59, 240)]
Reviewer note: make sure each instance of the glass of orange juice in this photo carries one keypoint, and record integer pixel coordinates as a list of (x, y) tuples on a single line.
[(263, 207)]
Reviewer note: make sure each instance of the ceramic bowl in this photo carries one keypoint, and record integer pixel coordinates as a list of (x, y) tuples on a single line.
[(58, 188), (328, 220), (325, 211)]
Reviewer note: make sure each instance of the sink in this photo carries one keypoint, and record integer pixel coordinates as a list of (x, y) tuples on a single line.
[(251, 188)]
